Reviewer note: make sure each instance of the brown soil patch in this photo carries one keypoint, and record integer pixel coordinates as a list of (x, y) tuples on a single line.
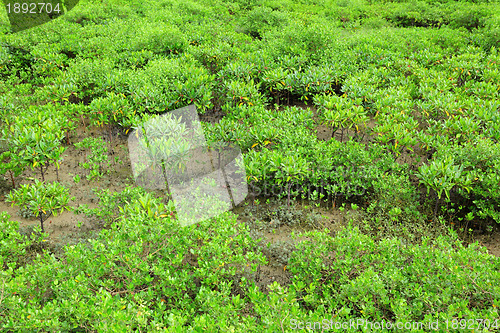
[(277, 242), (65, 226), (491, 241)]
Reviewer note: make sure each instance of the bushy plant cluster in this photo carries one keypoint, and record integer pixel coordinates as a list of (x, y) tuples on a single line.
[(420, 92), (287, 159), (353, 276), (97, 162), (148, 273), (33, 140), (167, 62), (168, 276)]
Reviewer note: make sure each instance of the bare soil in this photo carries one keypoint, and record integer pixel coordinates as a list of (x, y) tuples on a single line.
[(69, 225), (491, 241)]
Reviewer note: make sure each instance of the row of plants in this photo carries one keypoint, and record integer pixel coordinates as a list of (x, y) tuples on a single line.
[(148, 273), (285, 153), (69, 71), (36, 139)]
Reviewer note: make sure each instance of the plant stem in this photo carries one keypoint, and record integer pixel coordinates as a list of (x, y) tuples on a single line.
[(230, 192), (41, 222), (109, 131), (12, 179), (435, 209), (288, 200), (334, 129), (166, 180), (83, 121)]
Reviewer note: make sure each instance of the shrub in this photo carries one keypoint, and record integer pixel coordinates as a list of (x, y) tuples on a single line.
[(479, 161), (15, 61), (98, 158), (489, 37), (167, 84), (108, 210), (240, 93), (160, 39), (147, 257), (97, 13), (297, 39), (214, 57), (261, 19), (112, 109), (356, 277), (420, 14), (44, 200), (13, 246), (33, 142), (469, 17), (394, 210), (89, 77), (375, 23)]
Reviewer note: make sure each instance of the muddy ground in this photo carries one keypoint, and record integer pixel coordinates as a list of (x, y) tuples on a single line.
[(268, 221)]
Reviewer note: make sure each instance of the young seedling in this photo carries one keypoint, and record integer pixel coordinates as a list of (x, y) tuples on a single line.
[(442, 175), (44, 200), (97, 159), (165, 142), (289, 169), (35, 147), (13, 164)]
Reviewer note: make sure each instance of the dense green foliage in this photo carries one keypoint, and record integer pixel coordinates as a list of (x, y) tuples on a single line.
[(392, 105)]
